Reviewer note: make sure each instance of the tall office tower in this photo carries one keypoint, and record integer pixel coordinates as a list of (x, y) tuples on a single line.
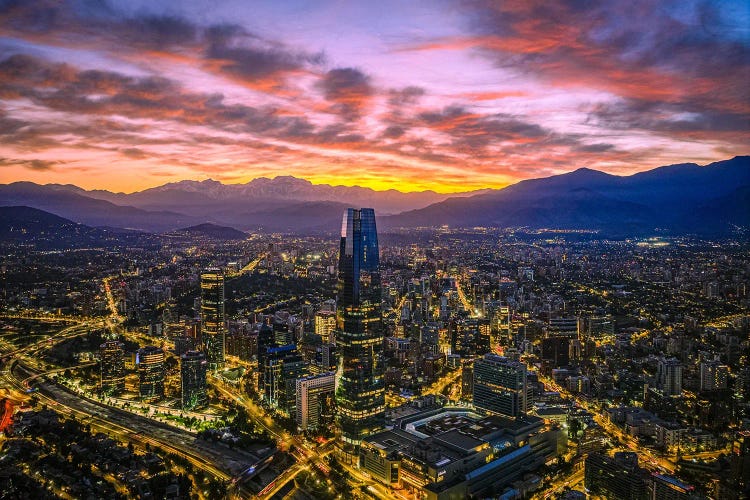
[(284, 365), (212, 317), (150, 363), (714, 376), (193, 367), (467, 381), (312, 393), (360, 387), (325, 325), (500, 386), (112, 367), (669, 377), (265, 342)]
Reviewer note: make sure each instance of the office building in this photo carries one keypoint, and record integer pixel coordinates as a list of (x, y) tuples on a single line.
[(563, 327), (283, 366), (467, 380), (360, 388), (193, 367), (714, 376), (669, 488), (112, 362), (500, 386), (669, 377), (265, 342), (212, 317), (616, 477), (150, 362), (314, 398), (325, 325)]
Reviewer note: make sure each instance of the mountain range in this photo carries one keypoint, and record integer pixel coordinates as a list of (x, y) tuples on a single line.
[(677, 199), (684, 198)]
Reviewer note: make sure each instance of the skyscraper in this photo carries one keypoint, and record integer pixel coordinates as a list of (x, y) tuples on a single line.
[(112, 367), (212, 317), (150, 362), (284, 365), (193, 378), (500, 386), (325, 325), (312, 393), (360, 388), (669, 376)]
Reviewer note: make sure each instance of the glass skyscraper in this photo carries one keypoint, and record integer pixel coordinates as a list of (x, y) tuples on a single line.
[(150, 361), (212, 317), (360, 388), (193, 380), (112, 367)]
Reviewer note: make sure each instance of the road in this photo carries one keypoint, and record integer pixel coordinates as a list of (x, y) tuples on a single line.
[(20, 369), (308, 454), (440, 384), (649, 459), (250, 267)]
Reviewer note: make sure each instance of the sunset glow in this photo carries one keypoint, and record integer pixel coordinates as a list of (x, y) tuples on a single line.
[(449, 96)]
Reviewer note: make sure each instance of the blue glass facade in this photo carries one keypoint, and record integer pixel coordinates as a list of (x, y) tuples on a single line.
[(360, 393)]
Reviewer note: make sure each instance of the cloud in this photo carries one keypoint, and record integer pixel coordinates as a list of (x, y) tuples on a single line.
[(34, 164), (679, 120), (473, 131), (685, 54), (405, 96), (348, 89)]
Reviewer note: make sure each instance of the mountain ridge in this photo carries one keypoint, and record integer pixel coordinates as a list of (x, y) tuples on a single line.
[(682, 198)]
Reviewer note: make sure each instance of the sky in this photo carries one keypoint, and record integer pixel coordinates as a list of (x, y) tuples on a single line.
[(412, 95)]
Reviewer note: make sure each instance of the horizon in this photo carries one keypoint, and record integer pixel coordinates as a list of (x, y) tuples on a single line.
[(367, 187), (124, 96)]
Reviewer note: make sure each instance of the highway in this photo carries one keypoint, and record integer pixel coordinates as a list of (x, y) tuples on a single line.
[(20, 369)]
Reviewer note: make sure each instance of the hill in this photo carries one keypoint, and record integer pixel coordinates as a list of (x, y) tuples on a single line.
[(26, 225), (685, 198)]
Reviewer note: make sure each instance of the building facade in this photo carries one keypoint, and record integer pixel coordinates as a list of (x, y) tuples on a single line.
[(193, 366), (500, 386), (150, 363), (313, 395), (112, 358), (360, 388), (213, 323)]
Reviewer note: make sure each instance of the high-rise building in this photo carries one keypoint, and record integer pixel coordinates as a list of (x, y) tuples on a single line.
[(616, 477), (669, 377), (500, 386), (193, 367), (112, 359), (360, 387), (467, 381), (265, 342), (325, 325), (714, 375), (150, 363), (312, 393), (563, 327), (284, 365), (212, 317)]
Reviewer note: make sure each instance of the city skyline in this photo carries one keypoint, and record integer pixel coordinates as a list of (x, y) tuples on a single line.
[(547, 296), (437, 96)]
